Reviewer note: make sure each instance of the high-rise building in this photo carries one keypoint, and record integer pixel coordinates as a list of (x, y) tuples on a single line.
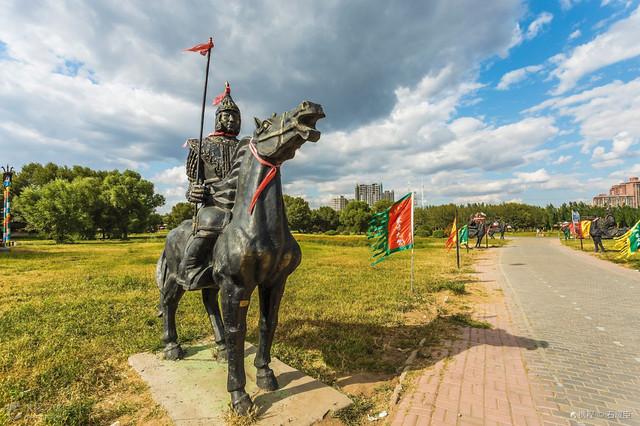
[(389, 195), (622, 194), (368, 193), (339, 203)]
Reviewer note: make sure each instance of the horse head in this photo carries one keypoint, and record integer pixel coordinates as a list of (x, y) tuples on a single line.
[(278, 137)]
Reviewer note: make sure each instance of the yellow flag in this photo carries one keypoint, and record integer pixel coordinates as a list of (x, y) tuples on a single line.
[(586, 226), (453, 236)]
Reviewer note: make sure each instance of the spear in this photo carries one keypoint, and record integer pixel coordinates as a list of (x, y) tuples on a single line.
[(203, 49)]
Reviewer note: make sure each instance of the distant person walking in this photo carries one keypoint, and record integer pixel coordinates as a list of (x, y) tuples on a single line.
[(596, 235)]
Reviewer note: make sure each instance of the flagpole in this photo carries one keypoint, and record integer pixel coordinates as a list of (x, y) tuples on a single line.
[(455, 220), (413, 242), (204, 102)]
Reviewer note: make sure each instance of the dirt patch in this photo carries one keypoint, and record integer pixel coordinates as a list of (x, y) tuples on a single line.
[(363, 384), (139, 407)]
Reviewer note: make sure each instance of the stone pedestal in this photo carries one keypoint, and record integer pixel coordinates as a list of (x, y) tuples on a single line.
[(194, 390)]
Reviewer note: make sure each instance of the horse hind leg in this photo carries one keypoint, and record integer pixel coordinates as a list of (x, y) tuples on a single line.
[(210, 301), (170, 295), (269, 306)]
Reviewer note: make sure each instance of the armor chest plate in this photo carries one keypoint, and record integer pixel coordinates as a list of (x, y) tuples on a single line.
[(217, 154)]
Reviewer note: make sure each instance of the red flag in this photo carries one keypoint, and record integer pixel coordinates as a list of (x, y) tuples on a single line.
[(401, 224), (203, 48)]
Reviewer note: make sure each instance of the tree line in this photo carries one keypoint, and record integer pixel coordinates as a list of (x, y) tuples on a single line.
[(430, 220), (63, 202)]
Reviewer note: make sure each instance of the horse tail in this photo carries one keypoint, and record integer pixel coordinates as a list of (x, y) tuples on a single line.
[(161, 275)]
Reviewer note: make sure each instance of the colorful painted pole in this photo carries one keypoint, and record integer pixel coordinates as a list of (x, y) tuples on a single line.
[(7, 176)]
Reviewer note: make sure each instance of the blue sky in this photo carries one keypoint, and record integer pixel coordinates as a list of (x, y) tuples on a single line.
[(533, 101)]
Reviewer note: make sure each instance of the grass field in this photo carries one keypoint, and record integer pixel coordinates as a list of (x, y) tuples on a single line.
[(611, 255), (72, 314)]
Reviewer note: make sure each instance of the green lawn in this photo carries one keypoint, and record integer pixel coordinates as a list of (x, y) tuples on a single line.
[(611, 255), (72, 314)]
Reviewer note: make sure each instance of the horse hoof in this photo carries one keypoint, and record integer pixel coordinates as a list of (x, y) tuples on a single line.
[(173, 353), (241, 402), (266, 379), (222, 355)]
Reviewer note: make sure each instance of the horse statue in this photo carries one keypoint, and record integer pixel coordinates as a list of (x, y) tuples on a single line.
[(497, 227), (255, 249), (477, 227), (607, 227)]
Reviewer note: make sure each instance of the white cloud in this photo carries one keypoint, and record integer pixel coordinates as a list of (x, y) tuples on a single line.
[(601, 113), (563, 159), (171, 176), (516, 76), (620, 150), (538, 24), (568, 4), (575, 34), (619, 43)]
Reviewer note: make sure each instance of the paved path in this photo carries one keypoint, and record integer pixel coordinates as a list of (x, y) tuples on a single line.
[(565, 349), (588, 310)]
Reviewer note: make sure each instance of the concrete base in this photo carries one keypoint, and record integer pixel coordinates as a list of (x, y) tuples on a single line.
[(194, 390)]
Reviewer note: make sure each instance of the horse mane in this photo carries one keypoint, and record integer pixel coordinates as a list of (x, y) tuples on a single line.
[(224, 190)]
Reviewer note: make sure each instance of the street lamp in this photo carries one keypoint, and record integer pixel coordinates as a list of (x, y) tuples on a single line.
[(7, 176)]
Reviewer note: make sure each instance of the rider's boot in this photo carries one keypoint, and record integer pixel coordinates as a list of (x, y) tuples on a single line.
[(194, 270)]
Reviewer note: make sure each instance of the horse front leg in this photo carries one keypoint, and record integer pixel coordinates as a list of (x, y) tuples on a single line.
[(210, 301), (269, 307), (235, 303)]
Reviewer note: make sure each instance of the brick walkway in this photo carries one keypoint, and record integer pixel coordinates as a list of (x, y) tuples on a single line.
[(481, 379)]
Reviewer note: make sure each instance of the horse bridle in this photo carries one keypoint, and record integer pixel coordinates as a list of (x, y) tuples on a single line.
[(279, 133)]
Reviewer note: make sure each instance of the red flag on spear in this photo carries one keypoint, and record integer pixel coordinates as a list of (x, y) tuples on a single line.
[(202, 48)]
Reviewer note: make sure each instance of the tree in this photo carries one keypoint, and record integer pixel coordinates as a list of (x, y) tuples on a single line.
[(57, 209), (382, 205), (179, 213), (324, 219), (298, 213), (355, 217), (129, 201)]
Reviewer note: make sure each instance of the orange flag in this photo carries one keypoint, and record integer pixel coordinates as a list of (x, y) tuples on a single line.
[(453, 236)]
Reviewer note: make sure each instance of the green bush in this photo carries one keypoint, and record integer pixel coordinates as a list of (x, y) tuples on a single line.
[(331, 232), (438, 233), (423, 231)]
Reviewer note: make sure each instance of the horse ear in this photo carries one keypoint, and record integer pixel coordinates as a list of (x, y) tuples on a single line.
[(258, 122)]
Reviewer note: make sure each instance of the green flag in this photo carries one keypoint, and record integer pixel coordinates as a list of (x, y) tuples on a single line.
[(629, 243), (463, 235)]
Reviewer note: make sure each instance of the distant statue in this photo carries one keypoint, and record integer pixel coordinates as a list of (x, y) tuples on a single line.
[(240, 241), (477, 227), (606, 227), (497, 227)]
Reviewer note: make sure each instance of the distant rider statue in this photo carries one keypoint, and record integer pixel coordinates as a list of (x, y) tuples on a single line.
[(216, 156)]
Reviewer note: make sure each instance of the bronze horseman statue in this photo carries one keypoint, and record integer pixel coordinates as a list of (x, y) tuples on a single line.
[(240, 239)]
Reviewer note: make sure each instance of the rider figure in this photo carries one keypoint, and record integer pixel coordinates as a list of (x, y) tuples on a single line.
[(216, 156)]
